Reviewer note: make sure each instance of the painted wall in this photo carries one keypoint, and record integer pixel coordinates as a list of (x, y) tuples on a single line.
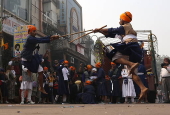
[(72, 4)]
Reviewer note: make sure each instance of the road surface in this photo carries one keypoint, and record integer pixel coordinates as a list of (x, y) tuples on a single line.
[(82, 109)]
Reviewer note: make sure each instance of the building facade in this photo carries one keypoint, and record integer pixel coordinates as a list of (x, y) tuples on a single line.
[(69, 20), (13, 14), (50, 17)]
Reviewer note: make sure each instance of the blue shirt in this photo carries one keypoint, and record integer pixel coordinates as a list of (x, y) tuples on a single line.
[(30, 45), (113, 31)]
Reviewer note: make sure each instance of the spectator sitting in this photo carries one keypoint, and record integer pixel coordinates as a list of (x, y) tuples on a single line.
[(88, 97)]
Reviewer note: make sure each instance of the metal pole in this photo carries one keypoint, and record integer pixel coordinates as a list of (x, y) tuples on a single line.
[(2, 2), (153, 60)]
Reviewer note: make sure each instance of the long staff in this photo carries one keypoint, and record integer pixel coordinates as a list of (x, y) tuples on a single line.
[(75, 33), (86, 34)]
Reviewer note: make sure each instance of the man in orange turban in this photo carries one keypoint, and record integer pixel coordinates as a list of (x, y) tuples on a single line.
[(63, 88), (87, 73), (128, 52), (98, 65), (88, 95), (30, 61), (100, 81)]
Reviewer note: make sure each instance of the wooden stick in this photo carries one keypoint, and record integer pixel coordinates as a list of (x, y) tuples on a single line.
[(86, 34), (75, 33)]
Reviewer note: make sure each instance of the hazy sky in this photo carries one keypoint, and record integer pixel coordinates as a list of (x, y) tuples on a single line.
[(147, 15)]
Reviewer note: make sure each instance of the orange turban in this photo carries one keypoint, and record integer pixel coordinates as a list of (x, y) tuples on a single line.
[(89, 67), (112, 63), (66, 62), (127, 16), (45, 68), (88, 82), (31, 28), (72, 68), (98, 65)]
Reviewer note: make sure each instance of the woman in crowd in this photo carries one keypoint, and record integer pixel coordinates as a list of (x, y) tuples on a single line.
[(128, 89), (11, 84)]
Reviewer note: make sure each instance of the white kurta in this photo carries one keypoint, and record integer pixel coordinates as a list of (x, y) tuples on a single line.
[(26, 85), (65, 73), (128, 90)]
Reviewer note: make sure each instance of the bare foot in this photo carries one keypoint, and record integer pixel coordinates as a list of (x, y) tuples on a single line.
[(42, 90), (142, 94), (132, 68)]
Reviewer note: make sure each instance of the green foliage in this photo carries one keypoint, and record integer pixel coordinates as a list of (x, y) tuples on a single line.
[(0, 25), (98, 51)]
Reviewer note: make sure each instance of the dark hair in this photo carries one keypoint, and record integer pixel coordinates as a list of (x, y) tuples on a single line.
[(17, 45), (167, 59)]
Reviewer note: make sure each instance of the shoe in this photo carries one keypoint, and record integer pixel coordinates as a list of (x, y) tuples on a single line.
[(64, 103), (30, 102), (101, 103), (22, 103)]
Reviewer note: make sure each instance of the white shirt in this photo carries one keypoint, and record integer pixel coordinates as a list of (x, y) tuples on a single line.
[(13, 71), (10, 63), (164, 73), (24, 69), (125, 37), (159, 92), (65, 73), (129, 36)]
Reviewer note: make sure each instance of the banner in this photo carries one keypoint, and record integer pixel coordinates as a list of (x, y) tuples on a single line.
[(10, 24), (63, 11), (20, 35)]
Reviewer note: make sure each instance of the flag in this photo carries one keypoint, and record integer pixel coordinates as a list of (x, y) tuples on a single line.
[(2, 42), (5, 46)]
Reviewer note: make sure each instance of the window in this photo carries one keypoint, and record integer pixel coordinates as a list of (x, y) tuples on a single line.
[(18, 7), (75, 27)]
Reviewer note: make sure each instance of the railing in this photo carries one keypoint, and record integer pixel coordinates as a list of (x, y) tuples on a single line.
[(63, 44)]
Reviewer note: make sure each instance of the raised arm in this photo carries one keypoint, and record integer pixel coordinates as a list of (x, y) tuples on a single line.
[(43, 39), (111, 32)]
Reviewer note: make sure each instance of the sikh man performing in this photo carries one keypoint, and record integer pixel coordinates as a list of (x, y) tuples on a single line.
[(30, 61), (128, 52)]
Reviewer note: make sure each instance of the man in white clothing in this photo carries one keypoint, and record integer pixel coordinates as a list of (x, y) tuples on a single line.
[(26, 84), (165, 79)]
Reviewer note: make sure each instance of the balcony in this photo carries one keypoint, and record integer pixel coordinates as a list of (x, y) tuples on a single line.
[(48, 20), (64, 45), (55, 2)]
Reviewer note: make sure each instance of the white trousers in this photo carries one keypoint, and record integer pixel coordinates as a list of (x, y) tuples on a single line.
[(23, 94)]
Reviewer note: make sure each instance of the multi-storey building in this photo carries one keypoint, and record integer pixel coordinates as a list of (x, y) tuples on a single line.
[(69, 20), (13, 13), (50, 17)]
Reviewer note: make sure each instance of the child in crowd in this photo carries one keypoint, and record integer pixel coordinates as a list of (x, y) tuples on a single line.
[(51, 84), (128, 90), (94, 74), (159, 94), (44, 96)]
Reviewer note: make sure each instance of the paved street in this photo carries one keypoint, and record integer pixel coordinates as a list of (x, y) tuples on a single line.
[(77, 109)]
